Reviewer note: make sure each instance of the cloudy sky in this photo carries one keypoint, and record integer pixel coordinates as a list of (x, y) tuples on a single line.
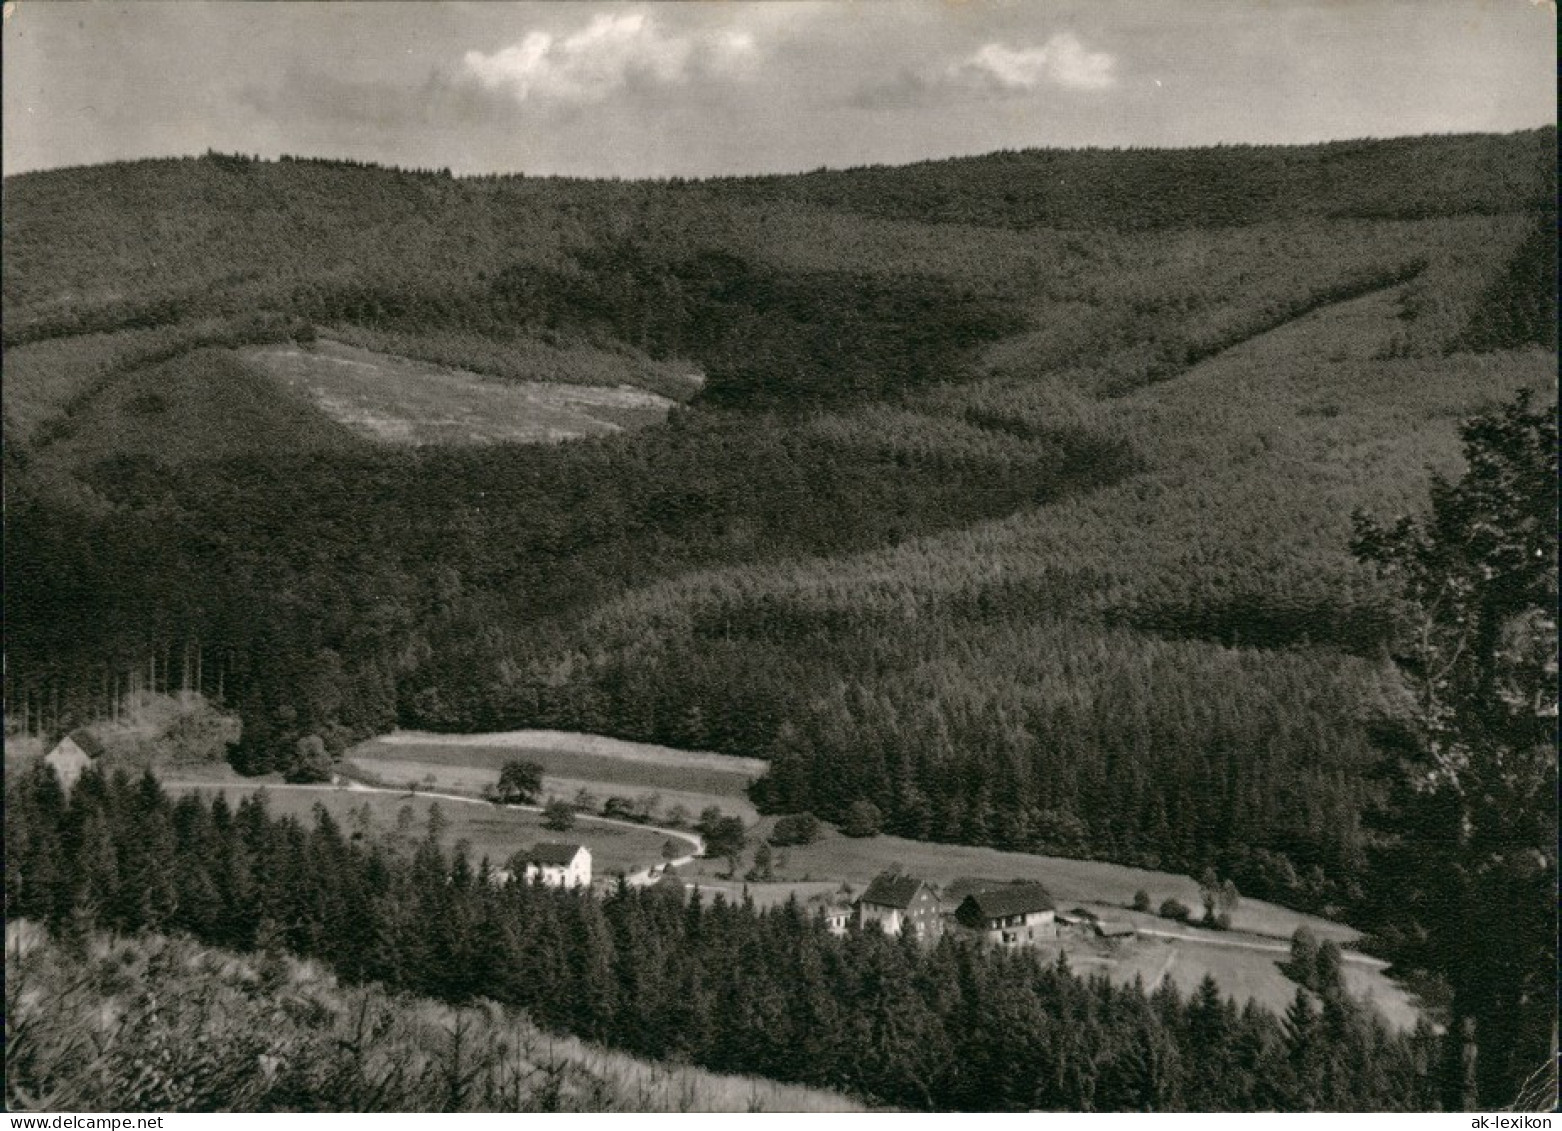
[(727, 86)]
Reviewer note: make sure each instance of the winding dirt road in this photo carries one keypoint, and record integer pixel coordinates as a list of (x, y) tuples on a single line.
[(639, 878)]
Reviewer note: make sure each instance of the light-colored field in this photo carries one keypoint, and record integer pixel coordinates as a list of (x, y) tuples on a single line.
[(529, 359), (1242, 971), (494, 832), (402, 401), (604, 767)]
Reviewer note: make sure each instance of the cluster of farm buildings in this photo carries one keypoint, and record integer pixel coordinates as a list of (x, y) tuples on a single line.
[(1019, 913), (1006, 914)]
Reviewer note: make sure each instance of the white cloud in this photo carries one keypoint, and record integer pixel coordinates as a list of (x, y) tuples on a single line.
[(1062, 61), (608, 54)]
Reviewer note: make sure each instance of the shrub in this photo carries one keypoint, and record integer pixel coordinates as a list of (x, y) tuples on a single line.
[(310, 762), (863, 819), (1141, 900), (558, 815), (724, 836), (1303, 966), (1329, 970), (1175, 909), (800, 828), (520, 782)]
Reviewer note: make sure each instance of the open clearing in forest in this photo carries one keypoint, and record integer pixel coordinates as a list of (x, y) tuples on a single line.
[(495, 832), (1245, 961), (398, 400), (604, 767), (1087, 882)]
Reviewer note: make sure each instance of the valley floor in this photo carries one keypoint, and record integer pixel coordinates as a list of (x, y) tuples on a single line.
[(1245, 961)]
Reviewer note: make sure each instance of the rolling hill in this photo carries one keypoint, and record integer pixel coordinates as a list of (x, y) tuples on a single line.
[(1014, 499)]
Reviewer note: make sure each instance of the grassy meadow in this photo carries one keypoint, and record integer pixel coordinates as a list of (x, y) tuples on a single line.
[(664, 777), (489, 831)]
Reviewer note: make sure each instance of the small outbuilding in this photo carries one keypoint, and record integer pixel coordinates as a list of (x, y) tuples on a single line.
[(1115, 929), (838, 916)]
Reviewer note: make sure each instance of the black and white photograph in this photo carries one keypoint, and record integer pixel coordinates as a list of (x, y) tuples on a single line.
[(780, 556)]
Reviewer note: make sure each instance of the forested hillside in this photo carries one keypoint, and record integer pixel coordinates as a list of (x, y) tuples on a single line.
[(1015, 500)]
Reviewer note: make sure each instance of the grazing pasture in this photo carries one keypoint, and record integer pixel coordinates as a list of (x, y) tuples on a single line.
[(491, 831), (604, 767), (401, 401), (1243, 972)]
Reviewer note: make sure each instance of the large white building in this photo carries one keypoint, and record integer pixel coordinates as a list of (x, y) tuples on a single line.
[(899, 902), (558, 865)]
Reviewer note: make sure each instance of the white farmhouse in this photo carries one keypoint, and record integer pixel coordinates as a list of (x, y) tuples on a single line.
[(559, 865)]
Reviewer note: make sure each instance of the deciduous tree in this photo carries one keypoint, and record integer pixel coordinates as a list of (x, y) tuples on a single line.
[(520, 782)]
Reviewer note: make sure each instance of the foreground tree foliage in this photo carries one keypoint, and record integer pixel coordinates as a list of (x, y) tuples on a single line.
[(1468, 838), (176, 1026), (722, 985)]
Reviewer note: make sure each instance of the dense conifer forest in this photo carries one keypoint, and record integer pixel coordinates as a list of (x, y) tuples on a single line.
[(1015, 501)]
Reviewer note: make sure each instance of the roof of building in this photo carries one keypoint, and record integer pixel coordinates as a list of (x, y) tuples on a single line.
[(1011, 899), (1114, 928), (957, 889), (891, 890), (88, 743), (549, 853)]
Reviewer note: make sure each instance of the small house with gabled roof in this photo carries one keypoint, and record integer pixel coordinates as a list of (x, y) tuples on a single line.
[(1011, 915), (898, 903), (558, 865), (72, 755)]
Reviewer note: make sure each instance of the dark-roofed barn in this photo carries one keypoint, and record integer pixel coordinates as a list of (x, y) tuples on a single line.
[(1011, 915)]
